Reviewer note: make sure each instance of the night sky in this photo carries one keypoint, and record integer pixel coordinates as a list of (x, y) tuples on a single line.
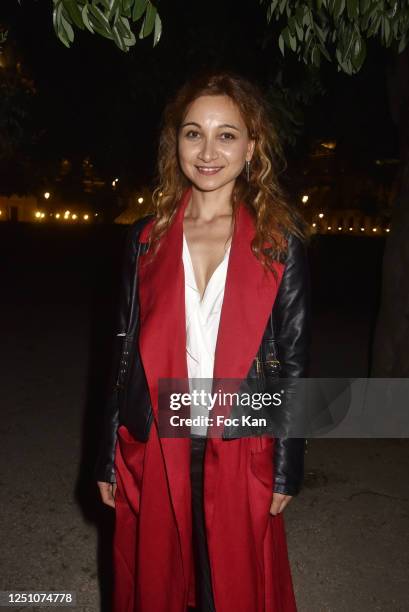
[(93, 99)]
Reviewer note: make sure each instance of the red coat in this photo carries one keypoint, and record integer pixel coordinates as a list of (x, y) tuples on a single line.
[(153, 557)]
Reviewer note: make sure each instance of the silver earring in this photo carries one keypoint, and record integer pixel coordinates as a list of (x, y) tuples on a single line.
[(248, 170)]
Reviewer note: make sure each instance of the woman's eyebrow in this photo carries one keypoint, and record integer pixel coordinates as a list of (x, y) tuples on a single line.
[(228, 125)]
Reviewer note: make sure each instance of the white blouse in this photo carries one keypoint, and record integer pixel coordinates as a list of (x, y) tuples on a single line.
[(202, 324)]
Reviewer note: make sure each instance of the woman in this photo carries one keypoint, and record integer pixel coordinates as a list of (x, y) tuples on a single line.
[(221, 268)]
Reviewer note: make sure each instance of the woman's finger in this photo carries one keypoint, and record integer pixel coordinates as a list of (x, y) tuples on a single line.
[(279, 502), (107, 492)]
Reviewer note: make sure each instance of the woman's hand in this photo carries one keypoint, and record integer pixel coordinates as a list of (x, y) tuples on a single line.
[(279, 503), (107, 491)]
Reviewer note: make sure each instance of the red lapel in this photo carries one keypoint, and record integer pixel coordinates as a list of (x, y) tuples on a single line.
[(248, 300)]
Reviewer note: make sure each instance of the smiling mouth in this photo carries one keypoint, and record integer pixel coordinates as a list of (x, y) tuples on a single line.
[(205, 170)]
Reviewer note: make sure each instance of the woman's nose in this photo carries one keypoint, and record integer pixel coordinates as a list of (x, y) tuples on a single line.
[(208, 151)]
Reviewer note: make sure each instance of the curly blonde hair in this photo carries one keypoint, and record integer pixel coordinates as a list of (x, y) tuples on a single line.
[(273, 215)]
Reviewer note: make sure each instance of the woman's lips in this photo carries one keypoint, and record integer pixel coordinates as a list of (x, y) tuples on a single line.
[(208, 171)]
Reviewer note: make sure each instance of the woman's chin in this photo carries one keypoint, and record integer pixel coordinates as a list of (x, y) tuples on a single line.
[(208, 183)]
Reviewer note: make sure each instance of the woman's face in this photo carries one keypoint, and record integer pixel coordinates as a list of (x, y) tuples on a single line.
[(213, 143)]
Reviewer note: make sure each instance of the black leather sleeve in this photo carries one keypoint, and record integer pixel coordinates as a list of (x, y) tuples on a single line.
[(104, 469), (292, 322)]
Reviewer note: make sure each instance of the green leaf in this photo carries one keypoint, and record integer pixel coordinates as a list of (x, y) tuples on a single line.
[(395, 29), (291, 24), (149, 21), (113, 6), (57, 16), (100, 18), (387, 31), (365, 21), (321, 38), (123, 26), (348, 40), (118, 39), (127, 6), (320, 34), (158, 30), (315, 56), (391, 14), (356, 51), (338, 55), (281, 43), (270, 10), (362, 55), (299, 14), (338, 9), (363, 6), (85, 18), (63, 37), (286, 36), (97, 27), (139, 8), (402, 44), (325, 53), (352, 9), (71, 6), (98, 21), (373, 28), (300, 31), (67, 27), (125, 31), (339, 6)]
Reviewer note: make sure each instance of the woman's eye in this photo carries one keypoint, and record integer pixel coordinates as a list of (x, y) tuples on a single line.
[(188, 134), (229, 136)]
